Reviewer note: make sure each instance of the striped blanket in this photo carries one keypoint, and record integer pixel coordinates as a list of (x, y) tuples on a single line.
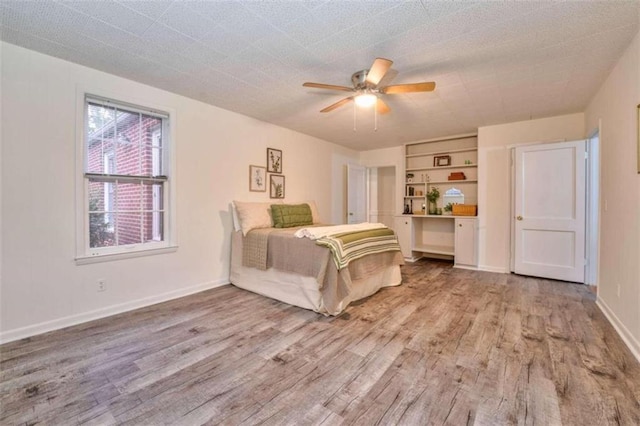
[(349, 246)]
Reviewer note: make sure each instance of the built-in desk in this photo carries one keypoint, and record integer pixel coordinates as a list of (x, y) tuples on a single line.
[(441, 236)]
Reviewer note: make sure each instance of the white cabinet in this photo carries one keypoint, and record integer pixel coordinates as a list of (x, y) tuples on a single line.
[(403, 225), (466, 241)]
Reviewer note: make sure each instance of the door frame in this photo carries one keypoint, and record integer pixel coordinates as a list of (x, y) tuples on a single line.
[(592, 211)]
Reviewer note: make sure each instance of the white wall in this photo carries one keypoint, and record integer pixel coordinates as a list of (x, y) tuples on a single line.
[(614, 106), (494, 178), (42, 288)]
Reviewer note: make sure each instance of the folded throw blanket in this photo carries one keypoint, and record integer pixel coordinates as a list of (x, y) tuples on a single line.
[(316, 232), (349, 246)]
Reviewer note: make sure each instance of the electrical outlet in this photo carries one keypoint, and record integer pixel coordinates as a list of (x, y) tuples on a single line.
[(102, 284), (618, 290)]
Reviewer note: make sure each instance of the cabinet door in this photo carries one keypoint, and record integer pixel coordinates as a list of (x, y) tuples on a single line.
[(465, 249), (404, 231)]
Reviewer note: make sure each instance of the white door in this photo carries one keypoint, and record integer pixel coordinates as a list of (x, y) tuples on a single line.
[(550, 210), (356, 194)]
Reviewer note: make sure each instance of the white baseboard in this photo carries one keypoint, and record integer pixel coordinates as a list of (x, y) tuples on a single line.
[(631, 342), (487, 268), (56, 324), (471, 268)]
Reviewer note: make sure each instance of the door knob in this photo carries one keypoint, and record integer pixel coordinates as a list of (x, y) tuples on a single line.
[(519, 217), (350, 214)]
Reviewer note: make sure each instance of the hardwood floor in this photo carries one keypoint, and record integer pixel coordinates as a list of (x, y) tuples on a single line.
[(449, 346)]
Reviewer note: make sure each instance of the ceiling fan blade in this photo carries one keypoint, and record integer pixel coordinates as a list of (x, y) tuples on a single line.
[(378, 70), (337, 104), (409, 88), (382, 107), (328, 86)]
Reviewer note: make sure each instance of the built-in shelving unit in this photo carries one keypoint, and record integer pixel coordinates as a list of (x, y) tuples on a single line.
[(422, 161), (429, 164)]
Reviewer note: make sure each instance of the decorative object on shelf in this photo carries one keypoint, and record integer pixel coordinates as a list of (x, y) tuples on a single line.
[(457, 176), (257, 179), (439, 211), (276, 186), (465, 209), (441, 160), (419, 193), (411, 191), (453, 196), (274, 160), (433, 196), (409, 177), (448, 209), (407, 209)]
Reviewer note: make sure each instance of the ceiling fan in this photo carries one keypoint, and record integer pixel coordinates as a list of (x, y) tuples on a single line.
[(365, 87)]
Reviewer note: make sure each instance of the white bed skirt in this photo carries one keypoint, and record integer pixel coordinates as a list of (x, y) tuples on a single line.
[(299, 290)]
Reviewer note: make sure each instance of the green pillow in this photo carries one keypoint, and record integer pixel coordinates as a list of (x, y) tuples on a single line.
[(289, 215)]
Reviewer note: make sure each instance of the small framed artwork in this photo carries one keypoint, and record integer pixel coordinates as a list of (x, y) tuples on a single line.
[(441, 160), (257, 179), (276, 187), (274, 160)]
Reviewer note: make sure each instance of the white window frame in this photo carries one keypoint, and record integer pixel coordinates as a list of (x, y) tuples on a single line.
[(86, 254)]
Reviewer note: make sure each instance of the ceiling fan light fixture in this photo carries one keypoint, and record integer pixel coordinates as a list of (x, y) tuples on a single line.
[(366, 100)]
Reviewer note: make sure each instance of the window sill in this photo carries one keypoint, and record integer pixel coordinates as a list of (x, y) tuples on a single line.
[(86, 260)]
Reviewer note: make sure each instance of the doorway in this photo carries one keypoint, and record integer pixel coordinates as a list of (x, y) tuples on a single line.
[(382, 195)]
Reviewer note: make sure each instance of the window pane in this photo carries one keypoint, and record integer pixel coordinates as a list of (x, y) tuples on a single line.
[(127, 159), (151, 161), (153, 226), (100, 231), (98, 192), (100, 133), (152, 198), (129, 197), (129, 228)]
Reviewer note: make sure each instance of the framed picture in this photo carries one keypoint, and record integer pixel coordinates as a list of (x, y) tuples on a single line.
[(441, 160), (276, 186), (257, 179), (274, 160)]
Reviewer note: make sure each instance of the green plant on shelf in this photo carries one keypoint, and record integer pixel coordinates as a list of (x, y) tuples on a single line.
[(448, 207), (433, 194)]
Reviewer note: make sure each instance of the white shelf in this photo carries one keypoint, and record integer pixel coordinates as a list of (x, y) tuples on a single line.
[(414, 196), (416, 183), (461, 166), (443, 152), (454, 181), (428, 248)]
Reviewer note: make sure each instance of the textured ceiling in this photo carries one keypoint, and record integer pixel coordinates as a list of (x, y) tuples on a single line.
[(493, 62)]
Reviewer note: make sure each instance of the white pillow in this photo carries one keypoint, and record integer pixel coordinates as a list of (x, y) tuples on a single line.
[(253, 215), (314, 211)]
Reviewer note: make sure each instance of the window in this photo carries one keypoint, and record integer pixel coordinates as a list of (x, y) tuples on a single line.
[(126, 177)]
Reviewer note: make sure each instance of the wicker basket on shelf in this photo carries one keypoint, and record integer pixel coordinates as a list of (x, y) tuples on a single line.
[(465, 210)]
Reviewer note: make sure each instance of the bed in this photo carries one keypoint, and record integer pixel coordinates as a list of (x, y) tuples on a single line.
[(276, 263)]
